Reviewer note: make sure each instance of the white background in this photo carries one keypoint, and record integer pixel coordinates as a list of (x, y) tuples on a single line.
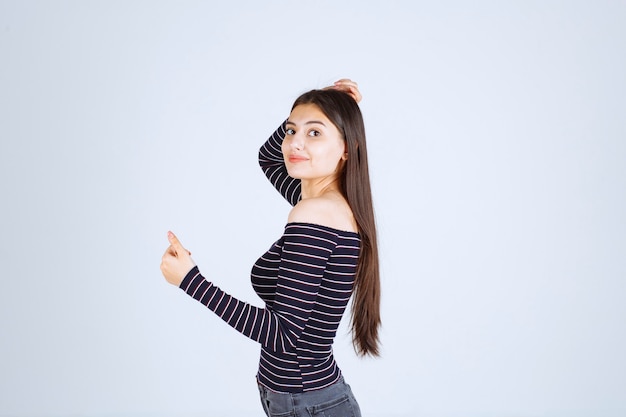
[(497, 142)]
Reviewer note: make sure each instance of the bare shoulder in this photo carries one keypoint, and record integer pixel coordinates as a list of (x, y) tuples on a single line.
[(330, 210)]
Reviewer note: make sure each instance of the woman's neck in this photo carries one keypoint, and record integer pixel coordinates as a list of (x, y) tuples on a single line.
[(319, 186)]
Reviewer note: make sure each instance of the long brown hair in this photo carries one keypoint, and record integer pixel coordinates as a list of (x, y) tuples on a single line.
[(344, 113)]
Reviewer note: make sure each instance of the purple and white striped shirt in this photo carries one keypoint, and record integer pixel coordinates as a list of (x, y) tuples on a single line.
[(306, 279)]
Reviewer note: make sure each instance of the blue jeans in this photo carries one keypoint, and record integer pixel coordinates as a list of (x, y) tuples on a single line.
[(333, 401)]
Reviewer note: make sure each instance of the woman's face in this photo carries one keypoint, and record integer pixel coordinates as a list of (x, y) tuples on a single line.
[(313, 147)]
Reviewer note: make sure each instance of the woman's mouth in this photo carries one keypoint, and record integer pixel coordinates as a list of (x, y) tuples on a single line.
[(296, 158)]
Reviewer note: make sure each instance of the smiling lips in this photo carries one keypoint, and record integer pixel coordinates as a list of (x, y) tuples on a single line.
[(296, 158)]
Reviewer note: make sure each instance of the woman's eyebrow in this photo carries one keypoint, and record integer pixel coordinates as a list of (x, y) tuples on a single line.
[(307, 123)]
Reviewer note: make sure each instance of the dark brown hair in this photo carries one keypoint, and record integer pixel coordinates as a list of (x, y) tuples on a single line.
[(343, 111)]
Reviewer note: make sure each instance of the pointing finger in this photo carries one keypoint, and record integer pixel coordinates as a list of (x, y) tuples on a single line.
[(178, 247), (175, 246)]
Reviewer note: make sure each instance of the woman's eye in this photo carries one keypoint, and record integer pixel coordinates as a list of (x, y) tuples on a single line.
[(290, 131), (314, 133)]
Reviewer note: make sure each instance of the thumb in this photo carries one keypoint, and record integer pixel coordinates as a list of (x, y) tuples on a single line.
[(178, 247)]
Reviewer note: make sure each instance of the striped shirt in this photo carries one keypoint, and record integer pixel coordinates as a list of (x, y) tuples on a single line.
[(305, 280)]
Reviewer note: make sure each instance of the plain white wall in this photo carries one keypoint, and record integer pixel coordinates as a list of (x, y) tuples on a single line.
[(497, 141)]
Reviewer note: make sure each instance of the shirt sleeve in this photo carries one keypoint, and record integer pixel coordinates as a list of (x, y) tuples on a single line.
[(305, 254), (273, 166)]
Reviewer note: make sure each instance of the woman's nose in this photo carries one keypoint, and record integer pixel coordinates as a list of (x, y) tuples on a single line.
[(297, 142)]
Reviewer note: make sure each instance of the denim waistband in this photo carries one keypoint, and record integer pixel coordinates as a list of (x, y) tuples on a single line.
[(337, 396)]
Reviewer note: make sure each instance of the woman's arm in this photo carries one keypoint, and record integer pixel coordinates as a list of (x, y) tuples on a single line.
[(305, 250), (273, 165)]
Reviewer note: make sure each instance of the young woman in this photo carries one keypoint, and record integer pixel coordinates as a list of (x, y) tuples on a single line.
[(317, 159)]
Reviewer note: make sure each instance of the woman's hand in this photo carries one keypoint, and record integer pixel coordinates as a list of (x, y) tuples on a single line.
[(347, 86), (176, 261)]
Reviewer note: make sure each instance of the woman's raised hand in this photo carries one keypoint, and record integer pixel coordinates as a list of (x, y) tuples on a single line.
[(348, 86), (176, 261)]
